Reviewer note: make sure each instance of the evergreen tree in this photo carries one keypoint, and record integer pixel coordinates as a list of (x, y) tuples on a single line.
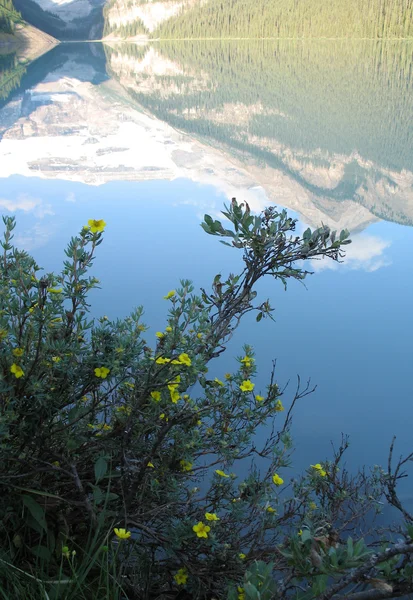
[(8, 16)]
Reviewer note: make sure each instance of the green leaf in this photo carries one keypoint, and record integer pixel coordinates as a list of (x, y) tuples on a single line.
[(36, 511), (306, 535), (101, 467), (251, 592), (259, 317), (350, 548), (97, 495), (232, 594), (41, 552)]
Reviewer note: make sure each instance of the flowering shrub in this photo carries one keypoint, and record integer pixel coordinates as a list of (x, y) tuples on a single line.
[(117, 458)]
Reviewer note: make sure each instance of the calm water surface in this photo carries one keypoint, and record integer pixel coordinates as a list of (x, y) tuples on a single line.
[(152, 137)]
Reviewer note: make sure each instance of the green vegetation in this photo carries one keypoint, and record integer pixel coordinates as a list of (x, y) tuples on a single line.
[(294, 103), (128, 30), (9, 16), (293, 19), (118, 459), (11, 73)]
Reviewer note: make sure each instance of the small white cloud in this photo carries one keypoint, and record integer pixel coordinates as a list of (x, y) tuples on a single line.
[(35, 237), (23, 202), (365, 252), (27, 203), (70, 197)]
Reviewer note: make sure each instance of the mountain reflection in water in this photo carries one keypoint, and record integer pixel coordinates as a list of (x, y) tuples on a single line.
[(152, 136)]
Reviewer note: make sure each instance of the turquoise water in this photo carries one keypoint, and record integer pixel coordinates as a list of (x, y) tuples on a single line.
[(152, 137)]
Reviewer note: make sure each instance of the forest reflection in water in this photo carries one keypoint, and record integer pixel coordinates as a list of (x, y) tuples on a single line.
[(171, 130)]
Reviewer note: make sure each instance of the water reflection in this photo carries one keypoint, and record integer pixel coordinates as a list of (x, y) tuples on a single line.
[(325, 128), (322, 129), (151, 137), (11, 73)]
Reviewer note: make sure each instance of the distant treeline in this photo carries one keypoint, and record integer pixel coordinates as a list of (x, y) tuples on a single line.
[(127, 30), (292, 18), (8, 16)]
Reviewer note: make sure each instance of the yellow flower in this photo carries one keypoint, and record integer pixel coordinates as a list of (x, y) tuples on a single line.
[(119, 350), (55, 290), (184, 359), (211, 517), (156, 396), (96, 225), (218, 381), (277, 479), (16, 370), (175, 396), (241, 593), (163, 416), (270, 509), (227, 375), (162, 361), (160, 335), (124, 409), (247, 360), (199, 336), (279, 406), (102, 372), (259, 398), (168, 329), (221, 473), (312, 506), (170, 295), (122, 534), (300, 532), (319, 469), (56, 463), (150, 465), (181, 576), (3, 334), (247, 386), (18, 352), (130, 385), (185, 465), (201, 530), (242, 555), (106, 427), (56, 359)]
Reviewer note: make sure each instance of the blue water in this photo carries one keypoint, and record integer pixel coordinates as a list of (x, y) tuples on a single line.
[(349, 330)]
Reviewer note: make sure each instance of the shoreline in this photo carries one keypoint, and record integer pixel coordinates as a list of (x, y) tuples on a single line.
[(147, 40), (28, 42)]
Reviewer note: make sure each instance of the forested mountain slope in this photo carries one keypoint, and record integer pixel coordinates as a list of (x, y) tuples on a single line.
[(91, 19), (292, 18)]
